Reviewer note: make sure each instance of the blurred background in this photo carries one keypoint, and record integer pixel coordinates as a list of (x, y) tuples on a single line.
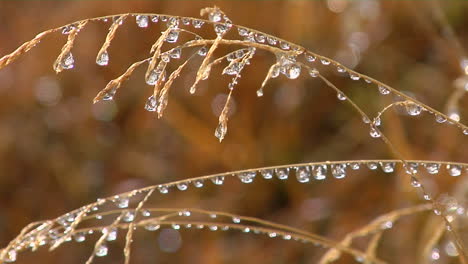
[(59, 151)]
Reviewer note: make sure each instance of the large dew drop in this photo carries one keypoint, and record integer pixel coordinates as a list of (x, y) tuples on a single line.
[(338, 171), (293, 70), (142, 21), (303, 174), (102, 59), (221, 131), (319, 172), (101, 251)]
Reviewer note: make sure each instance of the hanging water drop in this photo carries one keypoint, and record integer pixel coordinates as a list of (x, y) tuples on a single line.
[(247, 177), (151, 104), (67, 61), (197, 23), (319, 171), (372, 165), (387, 167), (413, 109), (145, 213), (172, 36), (129, 217), (282, 173), (341, 96), (454, 170), (163, 189), (198, 183), (219, 180), (325, 61), (293, 70), (215, 16), (377, 121), (303, 174), (313, 73), (272, 41), (202, 51), (142, 21), (354, 77), (221, 131), (79, 237), (354, 165), (440, 119), (284, 45), (374, 132), (151, 227), (384, 90), (338, 170), (182, 186), (260, 92), (236, 220), (432, 168), (102, 59), (101, 251), (111, 234), (415, 182), (267, 174), (122, 202)]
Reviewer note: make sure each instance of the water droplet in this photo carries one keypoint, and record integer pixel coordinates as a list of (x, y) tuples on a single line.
[(142, 21), (372, 165), (451, 249), (145, 213), (435, 254), (176, 53), (384, 90), (219, 180), (151, 104), (374, 132), (377, 121), (260, 38), (432, 168), (163, 189), (365, 119), (319, 171), (282, 173), (287, 237), (198, 183), (387, 225), (98, 217), (175, 226), (247, 177), (182, 186), (129, 217), (293, 70), (338, 170), (272, 234), (233, 68), (415, 182), (246, 230), (103, 59), (340, 69), (213, 228), (79, 237), (111, 234), (172, 36), (325, 61), (267, 174), (303, 174), (440, 118), (387, 167), (101, 251), (341, 96), (236, 220), (427, 197), (284, 45), (313, 72), (67, 61), (413, 109), (354, 165), (153, 77), (221, 29), (68, 29), (197, 23), (151, 227), (122, 202), (272, 41), (215, 16), (465, 131), (202, 51), (221, 131), (437, 211), (454, 170), (260, 92), (354, 76)]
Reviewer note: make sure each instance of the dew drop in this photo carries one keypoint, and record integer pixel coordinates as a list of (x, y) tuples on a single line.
[(111, 234), (454, 170), (340, 69), (198, 183), (79, 237), (172, 36), (354, 77), (338, 170), (383, 90), (260, 92), (271, 41), (377, 121), (151, 227), (219, 180), (325, 61), (142, 21), (182, 186), (247, 177), (432, 168), (145, 213), (387, 167), (365, 119), (122, 202), (313, 73), (176, 53), (427, 197), (260, 38), (293, 70), (341, 96), (102, 59), (374, 132), (155, 18), (236, 220), (197, 23), (151, 104), (221, 131), (310, 57), (282, 173), (284, 45), (354, 165), (415, 182), (215, 16), (319, 171), (129, 217), (67, 61), (413, 109), (303, 174), (101, 251), (202, 51), (440, 119), (163, 189), (412, 167), (175, 226), (372, 165), (267, 174)]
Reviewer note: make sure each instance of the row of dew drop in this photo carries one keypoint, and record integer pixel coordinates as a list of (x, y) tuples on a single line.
[(286, 65)]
